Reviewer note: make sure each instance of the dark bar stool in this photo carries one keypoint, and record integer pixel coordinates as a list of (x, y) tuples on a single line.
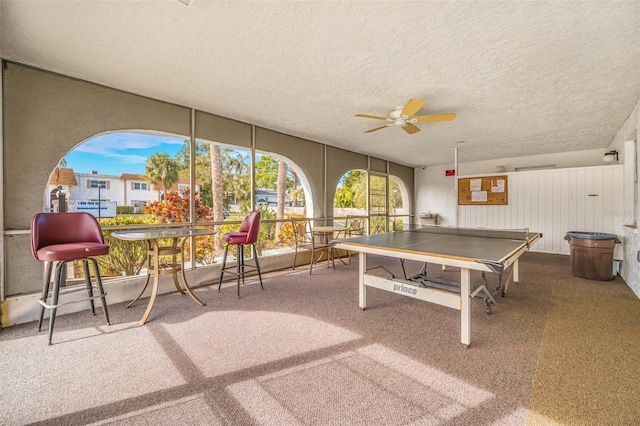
[(247, 235), (58, 238)]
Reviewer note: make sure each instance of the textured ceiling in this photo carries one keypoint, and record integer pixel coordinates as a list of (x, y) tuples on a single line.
[(524, 78)]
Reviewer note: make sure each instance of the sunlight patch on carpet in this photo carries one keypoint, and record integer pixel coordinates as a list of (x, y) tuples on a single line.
[(93, 365), (227, 341), (353, 384)]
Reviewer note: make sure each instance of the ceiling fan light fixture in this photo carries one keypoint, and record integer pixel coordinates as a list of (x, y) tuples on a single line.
[(403, 116)]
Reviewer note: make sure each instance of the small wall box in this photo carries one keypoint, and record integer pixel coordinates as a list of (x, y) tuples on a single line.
[(429, 218)]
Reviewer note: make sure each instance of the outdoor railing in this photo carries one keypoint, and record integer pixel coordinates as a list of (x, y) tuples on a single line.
[(128, 258)]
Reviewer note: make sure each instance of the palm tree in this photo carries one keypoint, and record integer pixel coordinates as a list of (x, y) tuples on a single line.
[(235, 173), (293, 194), (216, 187), (281, 189), (162, 169)]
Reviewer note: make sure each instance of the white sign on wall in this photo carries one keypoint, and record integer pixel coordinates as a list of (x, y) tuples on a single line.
[(98, 209)]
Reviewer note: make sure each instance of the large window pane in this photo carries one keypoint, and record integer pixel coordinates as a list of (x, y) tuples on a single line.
[(377, 204), (395, 205), (279, 196), (123, 179)]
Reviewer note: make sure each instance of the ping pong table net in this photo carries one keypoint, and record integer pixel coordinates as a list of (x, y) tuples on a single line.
[(506, 234)]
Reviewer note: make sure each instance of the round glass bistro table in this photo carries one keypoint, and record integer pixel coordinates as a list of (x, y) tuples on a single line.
[(156, 258)]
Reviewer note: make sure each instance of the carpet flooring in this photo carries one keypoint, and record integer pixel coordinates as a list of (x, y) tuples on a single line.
[(557, 350)]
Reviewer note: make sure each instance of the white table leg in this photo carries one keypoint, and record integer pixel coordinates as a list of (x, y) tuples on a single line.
[(362, 269), (465, 307), (516, 272)]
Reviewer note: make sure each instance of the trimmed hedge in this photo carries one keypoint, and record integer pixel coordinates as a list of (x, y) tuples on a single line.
[(124, 209), (124, 256)]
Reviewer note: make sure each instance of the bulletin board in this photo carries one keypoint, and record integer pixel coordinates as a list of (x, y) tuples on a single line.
[(483, 191)]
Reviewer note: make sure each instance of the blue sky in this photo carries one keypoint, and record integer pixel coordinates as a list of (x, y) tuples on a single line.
[(117, 153)]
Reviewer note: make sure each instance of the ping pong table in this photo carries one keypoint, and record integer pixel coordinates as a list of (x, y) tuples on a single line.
[(483, 250)]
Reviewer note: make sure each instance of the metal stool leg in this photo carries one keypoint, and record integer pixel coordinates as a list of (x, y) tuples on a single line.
[(85, 264), (224, 263), (103, 298), (240, 265), (54, 299), (255, 256), (45, 291)]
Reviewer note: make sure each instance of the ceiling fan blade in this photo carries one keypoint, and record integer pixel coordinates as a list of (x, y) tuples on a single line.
[(434, 118), (412, 107), (410, 128), (377, 128), (377, 117)]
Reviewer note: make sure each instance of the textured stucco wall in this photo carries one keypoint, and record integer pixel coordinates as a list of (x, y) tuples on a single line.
[(340, 161), (308, 155), (406, 175), (46, 115)]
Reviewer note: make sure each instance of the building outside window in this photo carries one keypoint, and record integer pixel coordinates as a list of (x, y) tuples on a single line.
[(140, 186)]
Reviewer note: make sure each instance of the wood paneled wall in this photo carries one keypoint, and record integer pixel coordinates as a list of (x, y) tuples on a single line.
[(554, 202)]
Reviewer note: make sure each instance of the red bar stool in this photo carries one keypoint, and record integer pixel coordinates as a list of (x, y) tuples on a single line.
[(58, 238), (247, 235)]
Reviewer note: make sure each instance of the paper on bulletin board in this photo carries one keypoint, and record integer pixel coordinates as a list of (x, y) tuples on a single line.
[(497, 185), (475, 184), (479, 196), (487, 190)]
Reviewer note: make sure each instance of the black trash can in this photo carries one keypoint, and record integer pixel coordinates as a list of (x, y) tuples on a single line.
[(592, 254)]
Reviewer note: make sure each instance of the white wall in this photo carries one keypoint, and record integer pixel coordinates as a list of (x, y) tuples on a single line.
[(435, 191), (625, 142), (2, 254), (555, 202)]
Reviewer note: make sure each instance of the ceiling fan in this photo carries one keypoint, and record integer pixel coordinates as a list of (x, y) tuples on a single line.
[(403, 116)]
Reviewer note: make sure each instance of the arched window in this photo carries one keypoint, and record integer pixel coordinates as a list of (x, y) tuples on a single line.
[(106, 174), (350, 199), (117, 178), (281, 192), (382, 200), (398, 204), (130, 178)]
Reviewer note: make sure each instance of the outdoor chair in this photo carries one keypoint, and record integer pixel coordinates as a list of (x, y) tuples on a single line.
[(247, 235), (355, 228), (306, 240), (59, 238)]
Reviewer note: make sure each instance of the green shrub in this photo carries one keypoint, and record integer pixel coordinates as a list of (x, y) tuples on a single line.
[(124, 209), (124, 256)]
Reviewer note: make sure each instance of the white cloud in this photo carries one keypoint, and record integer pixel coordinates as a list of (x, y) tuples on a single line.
[(112, 143)]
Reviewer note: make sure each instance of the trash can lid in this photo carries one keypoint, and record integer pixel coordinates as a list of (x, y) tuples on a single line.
[(592, 235)]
